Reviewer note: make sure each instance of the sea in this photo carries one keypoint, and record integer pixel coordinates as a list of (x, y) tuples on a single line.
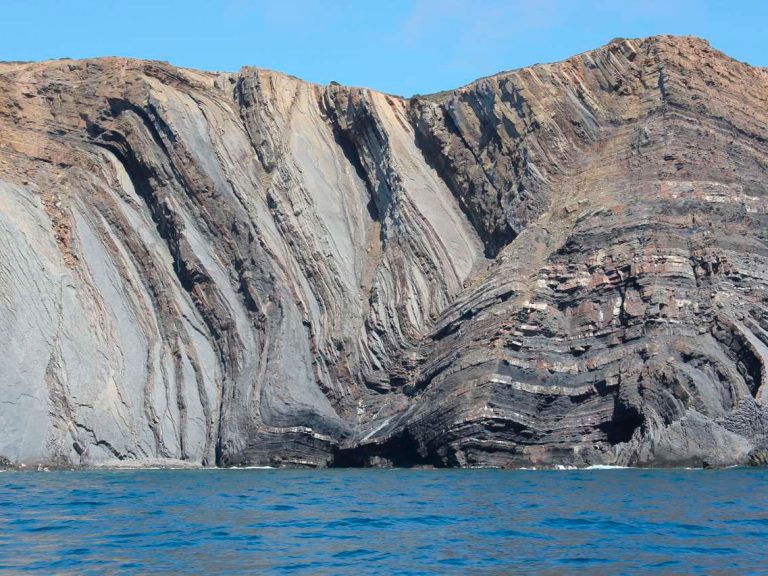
[(373, 521)]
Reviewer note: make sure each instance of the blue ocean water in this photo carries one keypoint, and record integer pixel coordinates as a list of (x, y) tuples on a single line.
[(384, 522)]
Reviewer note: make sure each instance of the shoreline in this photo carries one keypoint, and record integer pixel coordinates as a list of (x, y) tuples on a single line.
[(196, 467)]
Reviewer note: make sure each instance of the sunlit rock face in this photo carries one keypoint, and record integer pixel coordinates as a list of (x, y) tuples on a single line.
[(561, 265)]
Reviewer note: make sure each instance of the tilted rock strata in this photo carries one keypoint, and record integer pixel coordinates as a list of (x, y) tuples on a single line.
[(564, 264)]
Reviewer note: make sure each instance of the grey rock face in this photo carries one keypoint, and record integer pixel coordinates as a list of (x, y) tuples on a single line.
[(560, 265)]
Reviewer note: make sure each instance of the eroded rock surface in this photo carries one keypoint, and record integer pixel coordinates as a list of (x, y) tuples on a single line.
[(560, 265)]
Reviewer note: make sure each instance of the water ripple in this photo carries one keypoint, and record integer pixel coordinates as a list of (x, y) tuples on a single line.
[(384, 522)]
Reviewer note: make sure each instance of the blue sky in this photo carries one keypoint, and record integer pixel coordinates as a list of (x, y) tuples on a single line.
[(398, 46)]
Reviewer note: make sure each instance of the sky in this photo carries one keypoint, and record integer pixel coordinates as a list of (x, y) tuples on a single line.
[(402, 47)]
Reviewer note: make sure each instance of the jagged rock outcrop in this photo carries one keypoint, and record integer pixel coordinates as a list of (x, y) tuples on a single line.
[(564, 264)]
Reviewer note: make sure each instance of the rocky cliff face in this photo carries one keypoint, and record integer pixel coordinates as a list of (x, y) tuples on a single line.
[(564, 264)]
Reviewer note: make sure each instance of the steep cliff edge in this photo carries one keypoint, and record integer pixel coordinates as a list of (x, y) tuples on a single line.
[(561, 265)]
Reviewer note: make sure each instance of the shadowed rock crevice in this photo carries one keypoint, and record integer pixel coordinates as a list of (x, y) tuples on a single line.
[(493, 240), (400, 451)]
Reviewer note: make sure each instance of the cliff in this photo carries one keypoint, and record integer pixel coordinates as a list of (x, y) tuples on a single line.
[(561, 265)]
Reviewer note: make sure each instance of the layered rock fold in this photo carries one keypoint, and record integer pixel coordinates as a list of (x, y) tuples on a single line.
[(560, 265)]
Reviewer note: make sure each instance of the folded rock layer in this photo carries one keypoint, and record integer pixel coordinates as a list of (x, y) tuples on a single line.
[(561, 265)]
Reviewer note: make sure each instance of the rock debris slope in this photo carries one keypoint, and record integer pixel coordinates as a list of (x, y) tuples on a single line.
[(561, 265)]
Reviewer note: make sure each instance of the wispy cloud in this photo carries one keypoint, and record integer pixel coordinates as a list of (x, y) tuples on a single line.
[(476, 28), (495, 17)]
